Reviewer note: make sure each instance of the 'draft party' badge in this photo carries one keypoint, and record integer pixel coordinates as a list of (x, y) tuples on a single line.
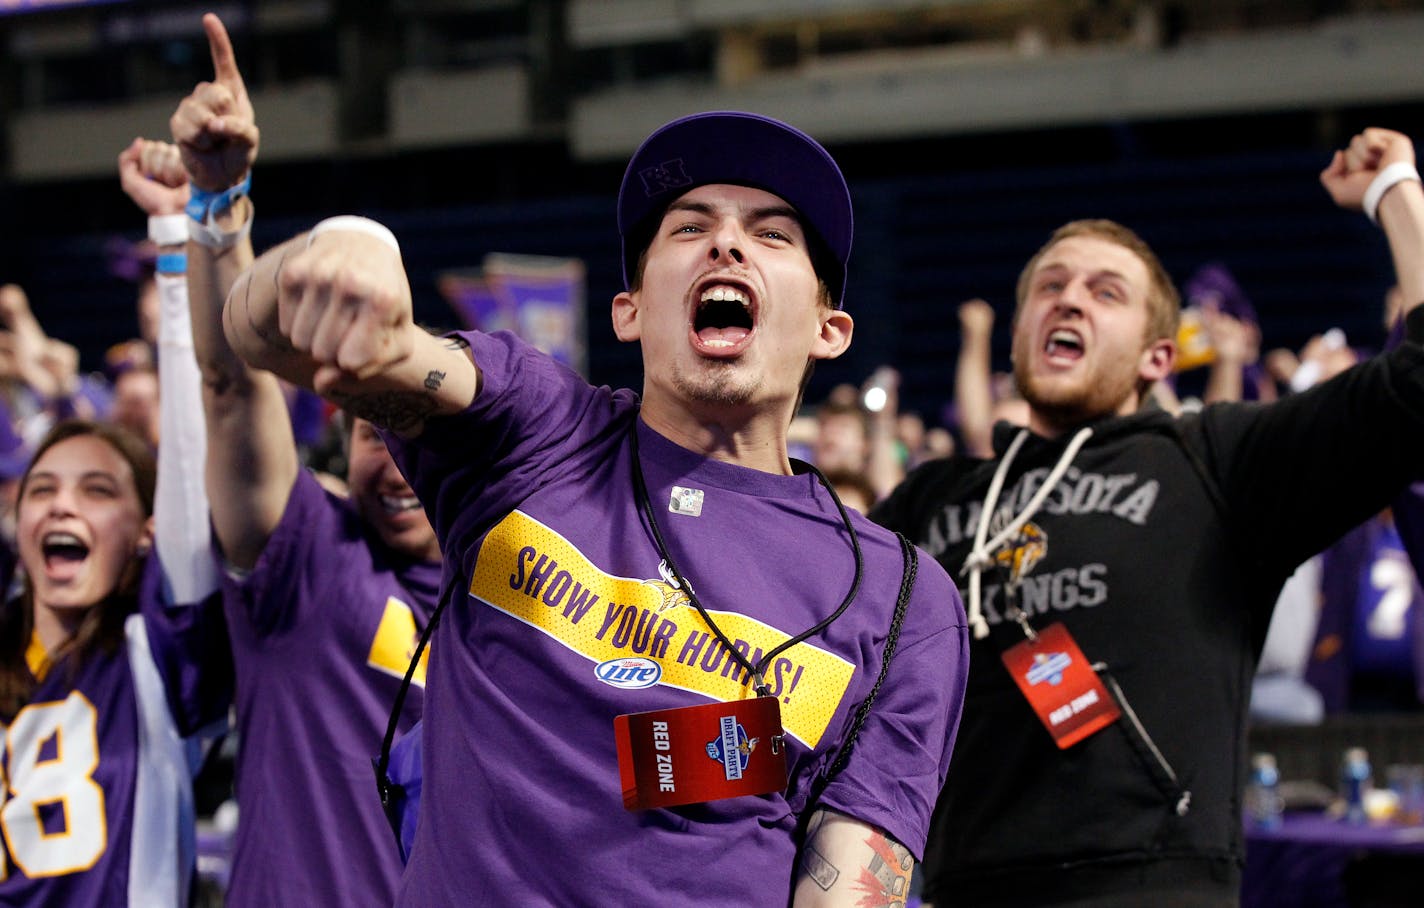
[(695, 754), (732, 748)]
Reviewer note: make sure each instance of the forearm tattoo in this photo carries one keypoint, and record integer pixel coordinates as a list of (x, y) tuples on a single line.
[(399, 411), (821, 871), (882, 882), (885, 880)]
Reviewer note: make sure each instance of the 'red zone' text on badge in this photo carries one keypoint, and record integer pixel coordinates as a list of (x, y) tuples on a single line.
[(693, 754)]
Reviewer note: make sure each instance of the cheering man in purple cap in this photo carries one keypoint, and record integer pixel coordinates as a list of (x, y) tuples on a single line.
[(670, 665)]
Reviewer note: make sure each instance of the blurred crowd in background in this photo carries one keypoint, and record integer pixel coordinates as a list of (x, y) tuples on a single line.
[(1348, 634)]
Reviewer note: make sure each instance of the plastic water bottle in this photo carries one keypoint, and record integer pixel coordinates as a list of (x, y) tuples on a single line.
[(1263, 794), (1355, 783)]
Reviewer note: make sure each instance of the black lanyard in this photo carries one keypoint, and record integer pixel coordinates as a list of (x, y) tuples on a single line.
[(640, 486)]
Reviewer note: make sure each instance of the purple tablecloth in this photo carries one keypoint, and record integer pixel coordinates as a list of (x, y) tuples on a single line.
[(1309, 861)]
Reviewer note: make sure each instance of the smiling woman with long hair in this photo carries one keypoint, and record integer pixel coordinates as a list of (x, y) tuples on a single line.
[(84, 529), (99, 803), (102, 703)]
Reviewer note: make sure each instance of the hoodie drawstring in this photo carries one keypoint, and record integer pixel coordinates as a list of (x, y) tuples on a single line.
[(982, 555)]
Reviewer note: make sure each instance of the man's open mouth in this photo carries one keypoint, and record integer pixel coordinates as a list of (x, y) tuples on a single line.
[(1064, 344), (724, 316)]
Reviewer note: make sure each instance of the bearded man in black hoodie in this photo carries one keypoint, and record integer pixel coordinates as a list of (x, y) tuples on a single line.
[(1120, 565)]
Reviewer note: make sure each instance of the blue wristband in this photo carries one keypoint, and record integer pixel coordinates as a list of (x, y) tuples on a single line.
[(173, 263), (202, 204)]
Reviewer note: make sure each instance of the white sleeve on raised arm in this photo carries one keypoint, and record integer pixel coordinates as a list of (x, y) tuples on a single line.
[(182, 530)]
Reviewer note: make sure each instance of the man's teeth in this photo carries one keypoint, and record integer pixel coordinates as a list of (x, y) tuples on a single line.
[(396, 504), (62, 539), (1064, 339), (725, 293), (723, 317)]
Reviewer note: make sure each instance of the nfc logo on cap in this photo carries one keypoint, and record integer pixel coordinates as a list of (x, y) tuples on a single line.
[(662, 177)]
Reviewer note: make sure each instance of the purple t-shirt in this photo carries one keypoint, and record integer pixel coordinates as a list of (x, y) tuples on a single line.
[(322, 631), (98, 810), (531, 494)]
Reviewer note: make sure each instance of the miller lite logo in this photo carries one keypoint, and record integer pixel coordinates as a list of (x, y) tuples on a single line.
[(632, 673), (659, 178)]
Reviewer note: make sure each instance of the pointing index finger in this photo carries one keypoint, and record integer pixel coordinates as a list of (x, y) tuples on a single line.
[(224, 62)]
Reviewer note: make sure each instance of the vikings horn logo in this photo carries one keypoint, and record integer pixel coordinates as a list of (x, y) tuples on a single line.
[(668, 590), (1021, 553)]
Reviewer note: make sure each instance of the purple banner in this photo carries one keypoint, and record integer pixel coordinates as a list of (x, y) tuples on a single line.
[(475, 302), (540, 298)]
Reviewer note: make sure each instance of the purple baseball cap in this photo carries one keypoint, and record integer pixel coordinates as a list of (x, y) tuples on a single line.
[(1215, 282), (743, 149)]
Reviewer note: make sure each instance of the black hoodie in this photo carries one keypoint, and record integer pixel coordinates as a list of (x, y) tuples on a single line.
[(1162, 550)]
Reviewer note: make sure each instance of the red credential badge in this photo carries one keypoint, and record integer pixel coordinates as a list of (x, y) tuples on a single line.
[(1061, 685), (701, 753)]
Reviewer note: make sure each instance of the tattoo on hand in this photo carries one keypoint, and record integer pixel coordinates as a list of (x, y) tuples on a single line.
[(274, 340), (277, 272), (399, 411)]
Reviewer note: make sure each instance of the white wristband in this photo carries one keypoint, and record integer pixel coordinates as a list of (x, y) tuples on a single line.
[(1310, 371), (168, 229), (209, 234), (1306, 376), (353, 224), (1383, 182)]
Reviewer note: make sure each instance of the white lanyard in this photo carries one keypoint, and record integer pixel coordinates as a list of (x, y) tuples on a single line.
[(982, 555)]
